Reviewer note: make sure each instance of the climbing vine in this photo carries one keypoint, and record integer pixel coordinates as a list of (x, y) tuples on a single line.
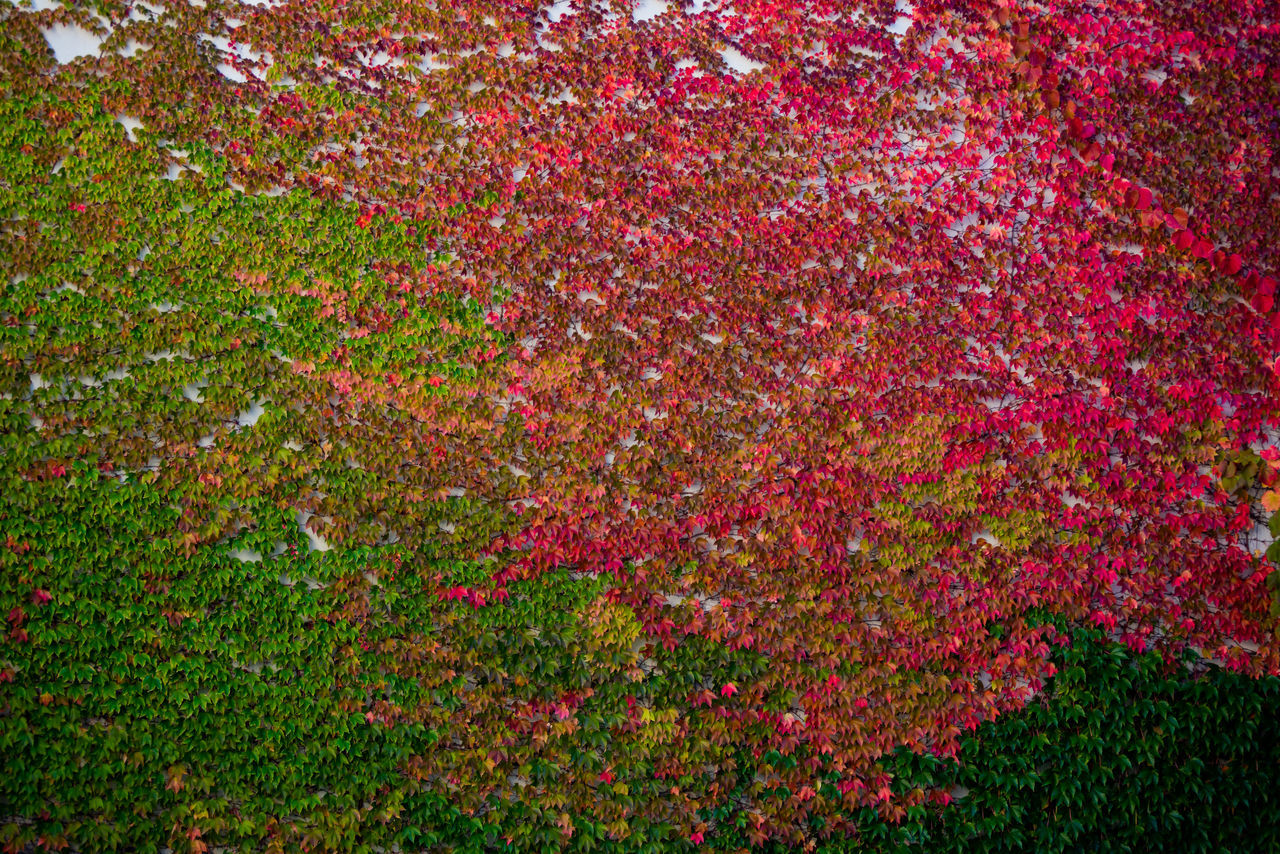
[(633, 424)]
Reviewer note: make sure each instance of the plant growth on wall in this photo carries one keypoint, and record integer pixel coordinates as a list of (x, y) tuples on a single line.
[(488, 425)]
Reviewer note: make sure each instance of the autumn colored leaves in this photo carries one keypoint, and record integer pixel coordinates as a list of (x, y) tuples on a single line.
[(819, 389)]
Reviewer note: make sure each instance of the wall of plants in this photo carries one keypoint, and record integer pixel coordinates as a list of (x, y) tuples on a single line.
[(638, 426), (1120, 753)]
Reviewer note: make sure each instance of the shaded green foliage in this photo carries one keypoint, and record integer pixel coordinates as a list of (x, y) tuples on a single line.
[(1120, 753)]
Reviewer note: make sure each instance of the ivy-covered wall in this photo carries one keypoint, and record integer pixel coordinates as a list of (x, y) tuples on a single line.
[(1122, 752), (463, 427)]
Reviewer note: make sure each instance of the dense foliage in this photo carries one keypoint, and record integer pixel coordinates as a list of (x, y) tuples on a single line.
[(491, 423), (1118, 755)]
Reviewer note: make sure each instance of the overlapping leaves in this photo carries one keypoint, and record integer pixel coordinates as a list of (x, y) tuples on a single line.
[(816, 375)]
